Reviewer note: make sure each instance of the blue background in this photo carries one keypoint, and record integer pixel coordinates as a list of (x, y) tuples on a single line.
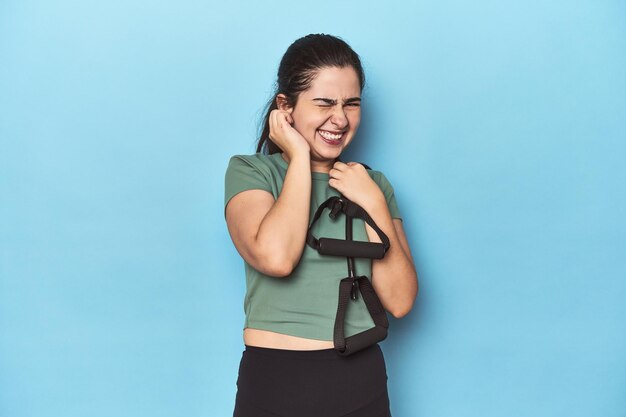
[(501, 125)]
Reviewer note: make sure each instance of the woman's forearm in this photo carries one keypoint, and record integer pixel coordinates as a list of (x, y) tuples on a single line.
[(394, 277), (283, 230)]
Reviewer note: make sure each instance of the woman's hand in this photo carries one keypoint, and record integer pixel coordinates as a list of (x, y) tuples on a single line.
[(353, 181), (285, 136)]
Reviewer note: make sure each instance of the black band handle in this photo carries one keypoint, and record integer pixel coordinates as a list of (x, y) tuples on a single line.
[(350, 209), (350, 248), (363, 340), (346, 346)]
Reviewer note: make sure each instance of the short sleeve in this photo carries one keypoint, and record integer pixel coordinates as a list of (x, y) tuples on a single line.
[(242, 175), (387, 190)]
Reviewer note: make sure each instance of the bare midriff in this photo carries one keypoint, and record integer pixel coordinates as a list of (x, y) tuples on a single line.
[(268, 339)]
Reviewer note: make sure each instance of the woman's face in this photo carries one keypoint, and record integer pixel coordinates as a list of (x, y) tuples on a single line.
[(327, 115)]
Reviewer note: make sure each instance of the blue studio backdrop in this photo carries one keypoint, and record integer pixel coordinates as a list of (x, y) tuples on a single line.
[(500, 124)]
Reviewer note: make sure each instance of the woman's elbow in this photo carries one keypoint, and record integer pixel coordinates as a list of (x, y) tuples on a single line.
[(280, 271), (398, 313), (277, 266), (404, 308)]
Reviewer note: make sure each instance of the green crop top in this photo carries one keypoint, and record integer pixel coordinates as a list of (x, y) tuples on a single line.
[(303, 304)]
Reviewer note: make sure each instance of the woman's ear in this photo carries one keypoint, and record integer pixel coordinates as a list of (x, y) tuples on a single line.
[(283, 103)]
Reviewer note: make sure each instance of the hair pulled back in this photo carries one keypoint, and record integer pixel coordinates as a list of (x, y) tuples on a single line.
[(299, 66)]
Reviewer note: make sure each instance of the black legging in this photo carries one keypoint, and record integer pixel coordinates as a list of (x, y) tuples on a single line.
[(314, 383)]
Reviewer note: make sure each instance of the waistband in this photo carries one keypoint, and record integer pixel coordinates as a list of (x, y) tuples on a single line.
[(321, 354)]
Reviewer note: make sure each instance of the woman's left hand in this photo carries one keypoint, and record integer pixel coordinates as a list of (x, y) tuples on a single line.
[(353, 181)]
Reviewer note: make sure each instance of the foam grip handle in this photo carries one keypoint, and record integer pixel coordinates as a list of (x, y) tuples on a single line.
[(350, 248), (364, 340)]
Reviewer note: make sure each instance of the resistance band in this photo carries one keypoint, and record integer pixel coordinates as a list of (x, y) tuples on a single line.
[(350, 286)]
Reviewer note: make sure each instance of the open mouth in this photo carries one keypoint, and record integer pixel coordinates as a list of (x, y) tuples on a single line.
[(332, 138)]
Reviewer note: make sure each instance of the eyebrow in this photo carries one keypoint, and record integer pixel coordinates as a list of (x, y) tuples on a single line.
[(333, 102)]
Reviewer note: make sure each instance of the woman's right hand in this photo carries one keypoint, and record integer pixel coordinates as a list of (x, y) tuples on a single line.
[(285, 136)]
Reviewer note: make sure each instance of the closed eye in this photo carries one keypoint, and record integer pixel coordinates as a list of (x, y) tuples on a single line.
[(328, 102)]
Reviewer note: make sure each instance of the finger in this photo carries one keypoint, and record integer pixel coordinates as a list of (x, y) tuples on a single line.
[(276, 124), (288, 119), (356, 165), (335, 173), (334, 183), (272, 124), (339, 166), (282, 117), (275, 116)]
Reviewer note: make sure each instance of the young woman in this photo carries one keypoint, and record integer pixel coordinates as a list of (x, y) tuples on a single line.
[(290, 366)]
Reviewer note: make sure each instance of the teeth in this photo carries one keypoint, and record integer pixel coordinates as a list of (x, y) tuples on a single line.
[(329, 136)]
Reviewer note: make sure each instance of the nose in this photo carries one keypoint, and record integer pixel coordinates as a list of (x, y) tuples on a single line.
[(339, 118)]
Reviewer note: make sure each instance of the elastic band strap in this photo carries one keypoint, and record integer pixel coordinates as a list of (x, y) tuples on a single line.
[(372, 302), (346, 346), (354, 210), (310, 239), (339, 340)]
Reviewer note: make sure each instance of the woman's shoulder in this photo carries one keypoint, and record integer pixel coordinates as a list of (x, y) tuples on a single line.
[(252, 171), (271, 167), (257, 160)]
